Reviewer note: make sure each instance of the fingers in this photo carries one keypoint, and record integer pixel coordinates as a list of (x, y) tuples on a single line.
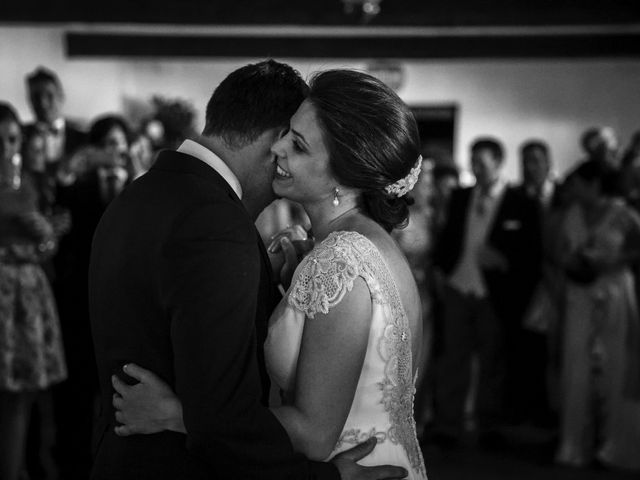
[(120, 417), (298, 232), (292, 232), (289, 251), (360, 451), (117, 401), (385, 472), (119, 386), (274, 244), (124, 430), (137, 372)]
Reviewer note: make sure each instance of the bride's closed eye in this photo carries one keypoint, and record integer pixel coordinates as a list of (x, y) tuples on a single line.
[(298, 147)]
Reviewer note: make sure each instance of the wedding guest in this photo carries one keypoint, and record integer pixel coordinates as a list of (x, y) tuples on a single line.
[(86, 199), (632, 152), (176, 118), (631, 172), (600, 380), (537, 181), (62, 136), (446, 179), (532, 403), (31, 354), (487, 286), (601, 146), (141, 155)]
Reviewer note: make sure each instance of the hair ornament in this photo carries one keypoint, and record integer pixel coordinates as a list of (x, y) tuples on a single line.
[(405, 185)]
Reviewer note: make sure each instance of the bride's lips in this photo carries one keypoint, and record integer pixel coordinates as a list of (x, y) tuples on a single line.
[(281, 172)]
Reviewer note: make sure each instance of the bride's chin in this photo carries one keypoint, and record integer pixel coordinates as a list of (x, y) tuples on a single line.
[(280, 192)]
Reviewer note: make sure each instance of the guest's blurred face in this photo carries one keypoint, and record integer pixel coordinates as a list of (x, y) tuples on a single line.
[(445, 185), (485, 167), (115, 143), (35, 157), (10, 143), (535, 167), (607, 147), (46, 101), (303, 171)]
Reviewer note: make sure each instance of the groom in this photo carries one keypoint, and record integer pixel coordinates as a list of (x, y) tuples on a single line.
[(180, 284)]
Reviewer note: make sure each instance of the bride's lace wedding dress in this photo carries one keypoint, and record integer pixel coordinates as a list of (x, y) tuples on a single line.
[(383, 401)]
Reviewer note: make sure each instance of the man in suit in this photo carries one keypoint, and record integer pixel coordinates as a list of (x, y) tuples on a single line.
[(46, 96), (61, 138), (179, 283), (488, 255), (537, 183)]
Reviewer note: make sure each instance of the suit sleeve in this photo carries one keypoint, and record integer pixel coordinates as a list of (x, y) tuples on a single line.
[(210, 284)]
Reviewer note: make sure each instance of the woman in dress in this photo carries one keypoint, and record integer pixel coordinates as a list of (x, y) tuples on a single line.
[(343, 340), (31, 357), (599, 380)]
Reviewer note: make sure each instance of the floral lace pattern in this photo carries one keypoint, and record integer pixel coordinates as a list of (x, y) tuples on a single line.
[(354, 436), (324, 278)]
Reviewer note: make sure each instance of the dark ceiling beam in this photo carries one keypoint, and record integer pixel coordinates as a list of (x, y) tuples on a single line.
[(442, 46)]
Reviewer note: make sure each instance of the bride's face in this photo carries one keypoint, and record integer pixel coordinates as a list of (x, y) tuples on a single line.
[(302, 171)]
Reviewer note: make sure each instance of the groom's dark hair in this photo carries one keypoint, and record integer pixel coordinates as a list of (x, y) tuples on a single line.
[(253, 99)]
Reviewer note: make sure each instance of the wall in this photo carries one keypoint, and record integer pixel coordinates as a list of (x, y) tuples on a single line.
[(514, 100)]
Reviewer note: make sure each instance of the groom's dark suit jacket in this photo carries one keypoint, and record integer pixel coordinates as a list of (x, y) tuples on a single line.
[(179, 284)]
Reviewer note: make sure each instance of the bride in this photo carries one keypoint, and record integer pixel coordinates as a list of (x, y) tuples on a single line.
[(343, 340)]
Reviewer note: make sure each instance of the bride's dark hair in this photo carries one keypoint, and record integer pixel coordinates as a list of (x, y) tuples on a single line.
[(371, 136)]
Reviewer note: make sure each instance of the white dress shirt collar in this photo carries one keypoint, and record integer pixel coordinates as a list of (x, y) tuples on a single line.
[(189, 147)]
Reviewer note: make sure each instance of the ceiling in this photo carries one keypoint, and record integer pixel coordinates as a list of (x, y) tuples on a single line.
[(327, 12)]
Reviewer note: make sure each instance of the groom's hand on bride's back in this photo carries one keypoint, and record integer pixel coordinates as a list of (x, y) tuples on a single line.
[(350, 470)]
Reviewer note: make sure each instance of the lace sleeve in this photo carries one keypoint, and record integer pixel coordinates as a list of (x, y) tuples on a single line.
[(327, 274)]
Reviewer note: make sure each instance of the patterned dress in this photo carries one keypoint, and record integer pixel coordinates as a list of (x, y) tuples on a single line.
[(31, 352), (383, 400)]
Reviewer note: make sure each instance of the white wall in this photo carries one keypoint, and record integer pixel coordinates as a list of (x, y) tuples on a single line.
[(514, 100)]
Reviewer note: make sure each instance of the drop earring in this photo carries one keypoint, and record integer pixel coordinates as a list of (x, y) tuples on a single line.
[(336, 200)]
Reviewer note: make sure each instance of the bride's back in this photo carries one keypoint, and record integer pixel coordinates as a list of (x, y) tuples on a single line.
[(400, 270)]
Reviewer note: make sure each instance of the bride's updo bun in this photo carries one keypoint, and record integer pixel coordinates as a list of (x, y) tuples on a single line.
[(371, 136)]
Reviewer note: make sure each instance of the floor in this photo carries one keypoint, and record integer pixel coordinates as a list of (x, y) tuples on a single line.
[(527, 457)]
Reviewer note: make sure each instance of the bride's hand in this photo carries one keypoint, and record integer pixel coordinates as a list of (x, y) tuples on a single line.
[(149, 406), (286, 249)]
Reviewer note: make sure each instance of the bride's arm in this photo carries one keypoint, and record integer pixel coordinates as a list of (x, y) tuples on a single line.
[(331, 356)]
